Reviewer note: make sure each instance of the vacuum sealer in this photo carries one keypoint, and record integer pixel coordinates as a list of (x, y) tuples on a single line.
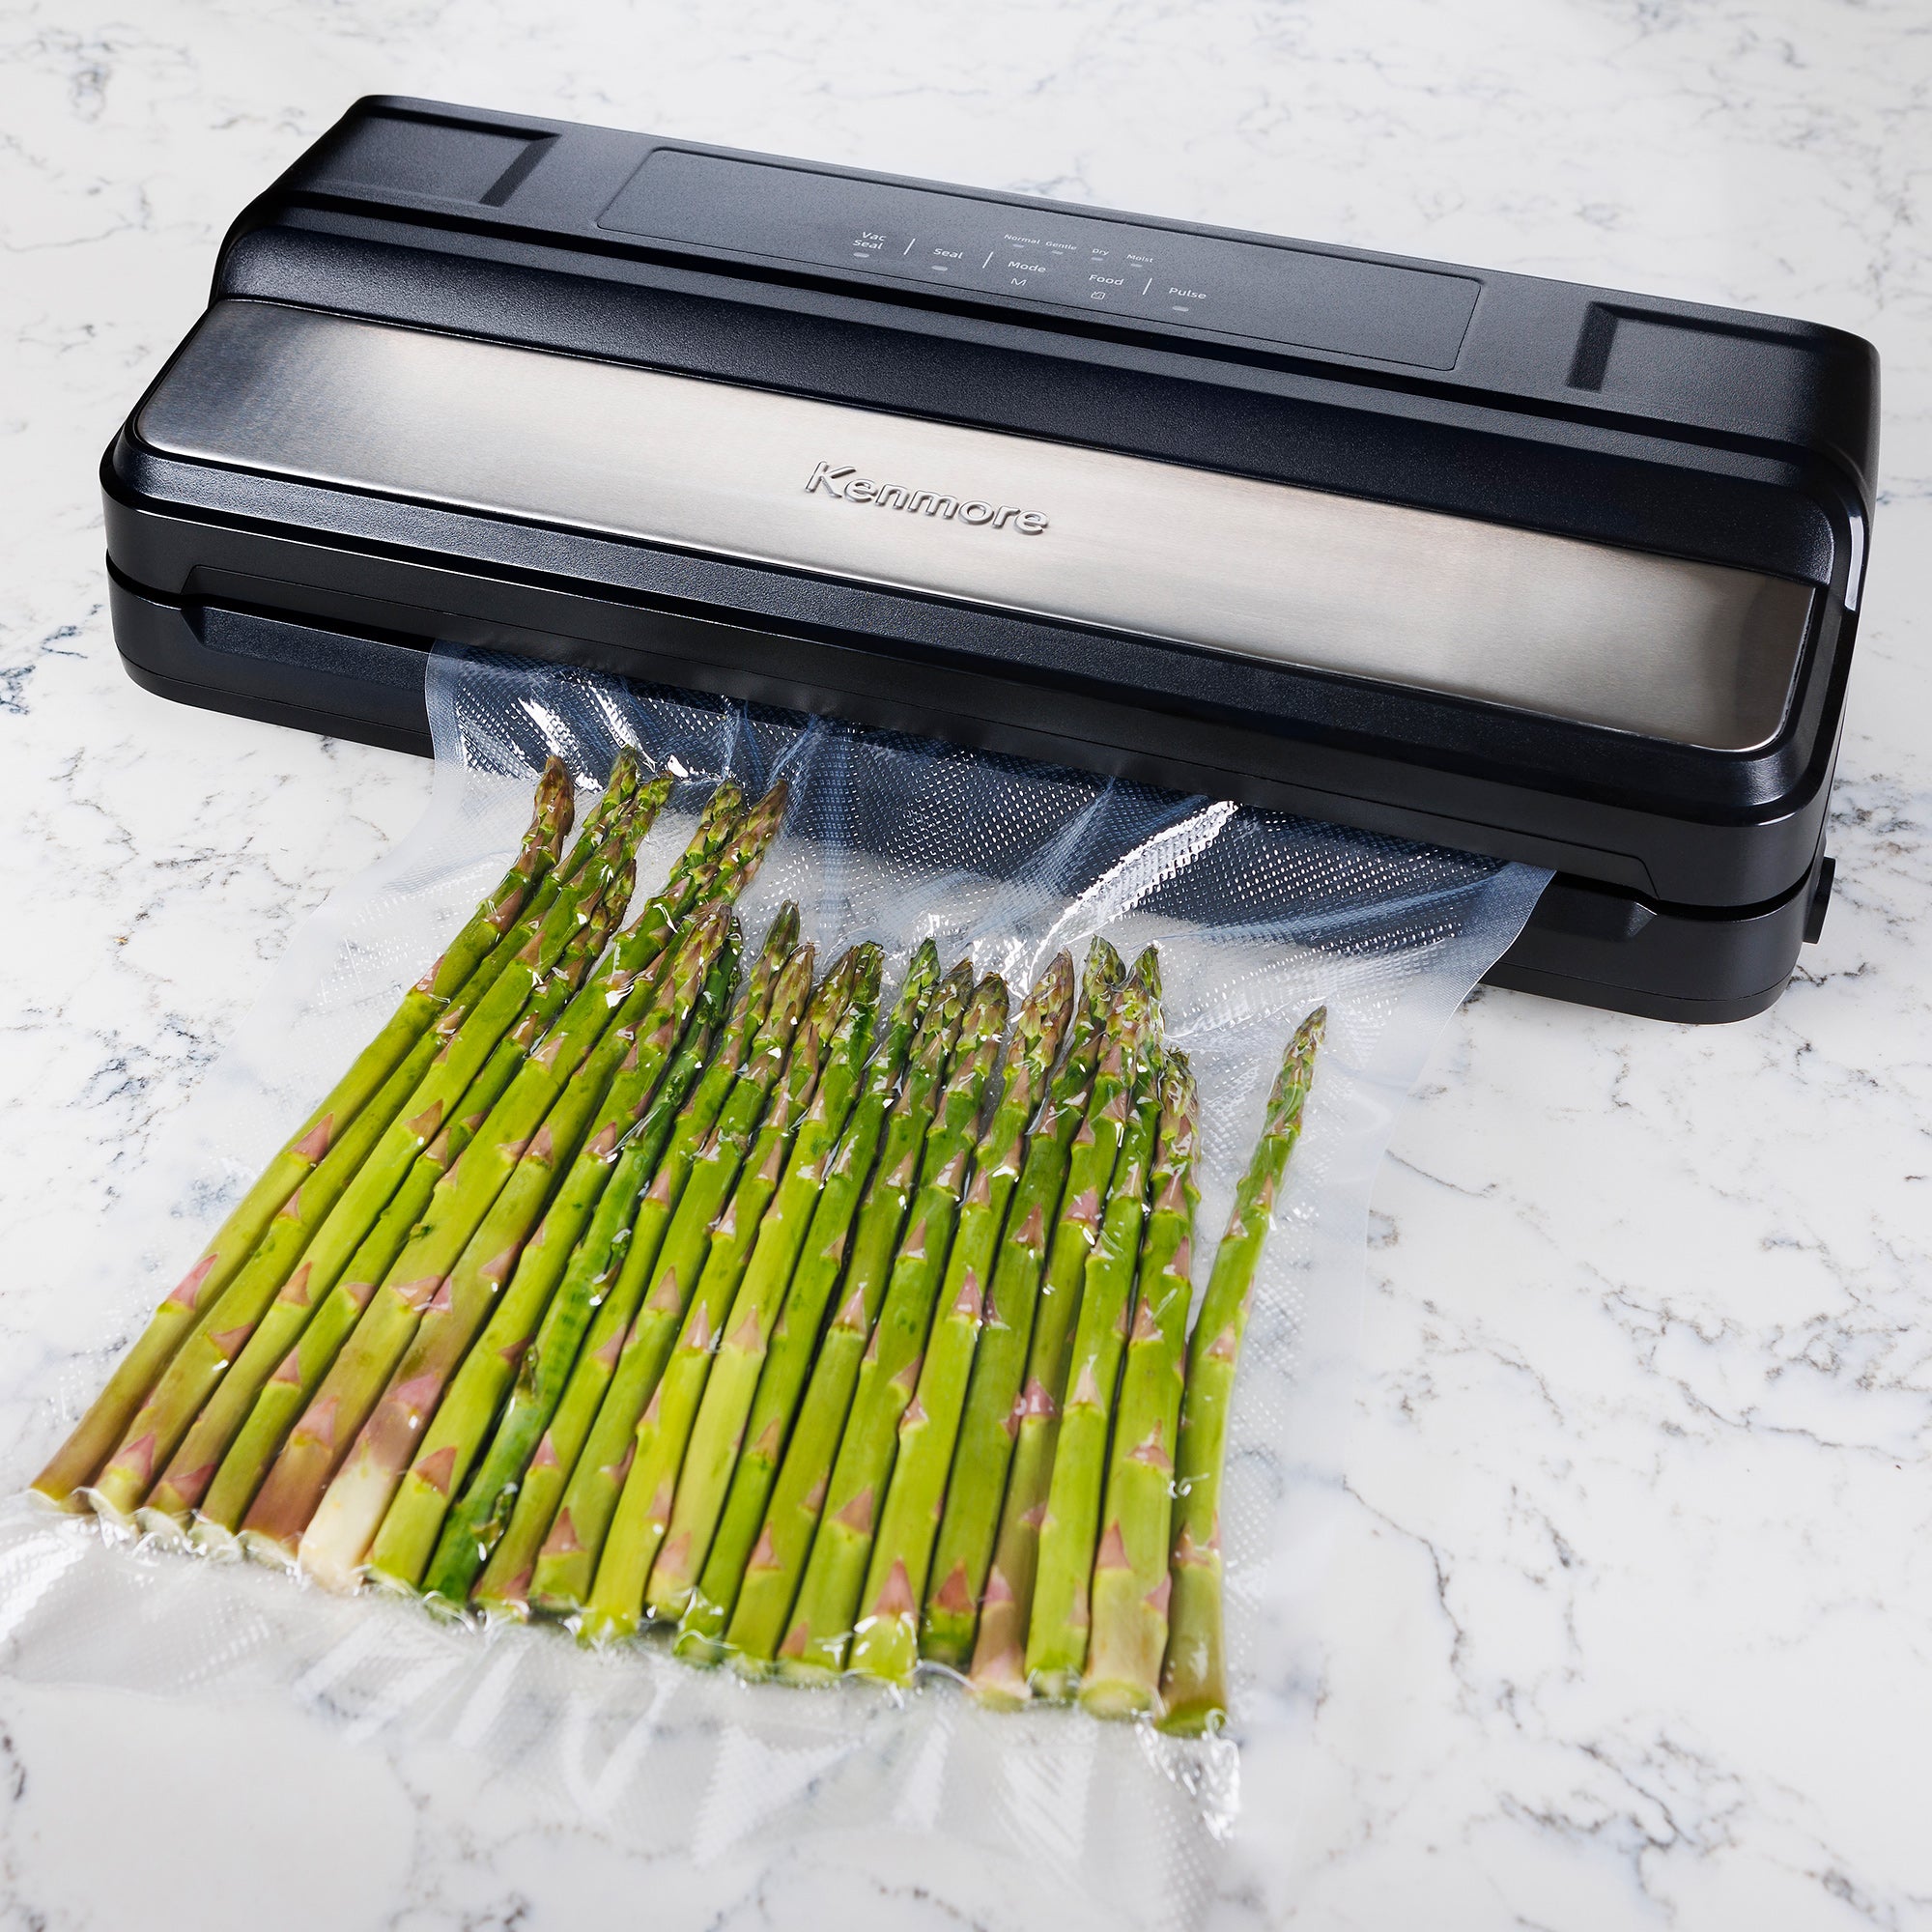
[(1546, 572)]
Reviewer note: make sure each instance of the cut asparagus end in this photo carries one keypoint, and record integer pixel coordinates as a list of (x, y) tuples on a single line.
[(107, 1512), (797, 1671), (1115, 1697), (598, 1628), (693, 1646), (1055, 1686), (1195, 1718), (267, 1548), (1000, 1681), (163, 1527), (384, 1583)]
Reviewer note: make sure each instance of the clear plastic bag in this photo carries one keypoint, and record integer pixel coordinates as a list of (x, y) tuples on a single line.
[(1047, 1812)]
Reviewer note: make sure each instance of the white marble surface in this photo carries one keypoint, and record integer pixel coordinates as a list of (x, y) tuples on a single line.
[(1630, 1617)]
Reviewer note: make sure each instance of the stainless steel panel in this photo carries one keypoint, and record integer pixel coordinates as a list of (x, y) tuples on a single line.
[(1692, 652)]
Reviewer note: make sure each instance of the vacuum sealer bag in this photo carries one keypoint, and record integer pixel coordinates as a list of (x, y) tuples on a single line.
[(1045, 1815)]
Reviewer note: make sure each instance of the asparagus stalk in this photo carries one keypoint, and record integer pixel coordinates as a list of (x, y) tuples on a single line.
[(408, 1392), (999, 1652), (719, 821), (220, 1336), (1062, 1612), (296, 1343), (333, 1280), (644, 1508), (287, 1499), (993, 1402), (439, 1461), (106, 1421), (184, 1481), (505, 1583), (887, 1642), (1130, 1580), (476, 1526), (567, 1564), (787, 1360), (382, 1315), (835, 1574), (773, 1567), (312, 1327), (1194, 1679), (619, 785), (742, 1338)]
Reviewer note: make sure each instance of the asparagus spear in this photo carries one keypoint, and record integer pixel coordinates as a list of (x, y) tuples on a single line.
[(296, 1343), (505, 1583), (186, 1477), (718, 821), (787, 1361), (476, 1526), (106, 1423), (1194, 1680), (372, 1311), (835, 1574), (618, 787), (220, 1335), (994, 1398), (1130, 1580), (566, 1566), (308, 1461), (658, 1444), (461, 1196), (338, 1242), (440, 1461), (1056, 1632), (520, 1170), (773, 1568), (999, 1652), (743, 1337), (887, 1642)]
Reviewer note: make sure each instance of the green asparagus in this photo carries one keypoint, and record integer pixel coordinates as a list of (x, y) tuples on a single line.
[(887, 1642), (743, 1337), (1194, 1677), (993, 1402), (775, 1562), (643, 1509), (384, 1315), (1057, 1630), (221, 1336), (395, 1366), (999, 1653), (296, 1228), (794, 1339), (477, 1525), (440, 1461), (566, 1566), (106, 1421), (1130, 1586), (504, 1587), (829, 1598), (308, 1459)]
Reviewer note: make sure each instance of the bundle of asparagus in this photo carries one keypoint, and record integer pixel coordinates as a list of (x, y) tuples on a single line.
[(610, 1288)]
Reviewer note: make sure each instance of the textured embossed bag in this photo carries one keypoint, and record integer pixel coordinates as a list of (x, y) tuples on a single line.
[(1047, 1813)]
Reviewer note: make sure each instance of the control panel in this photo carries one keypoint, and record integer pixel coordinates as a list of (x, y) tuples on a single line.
[(1280, 294)]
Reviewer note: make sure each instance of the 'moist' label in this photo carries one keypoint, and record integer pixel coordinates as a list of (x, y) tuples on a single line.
[(842, 481)]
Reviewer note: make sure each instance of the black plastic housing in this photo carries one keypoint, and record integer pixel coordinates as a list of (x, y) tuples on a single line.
[(1688, 875)]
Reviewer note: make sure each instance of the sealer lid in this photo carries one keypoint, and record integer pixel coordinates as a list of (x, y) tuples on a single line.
[(1588, 559)]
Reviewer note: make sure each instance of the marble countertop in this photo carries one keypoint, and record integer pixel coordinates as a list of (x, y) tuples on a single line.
[(1629, 1620)]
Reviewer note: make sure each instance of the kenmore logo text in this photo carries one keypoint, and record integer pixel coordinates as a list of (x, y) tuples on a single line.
[(832, 478)]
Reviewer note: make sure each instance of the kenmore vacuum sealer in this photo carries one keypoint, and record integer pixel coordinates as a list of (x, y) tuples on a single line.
[(1546, 572)]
